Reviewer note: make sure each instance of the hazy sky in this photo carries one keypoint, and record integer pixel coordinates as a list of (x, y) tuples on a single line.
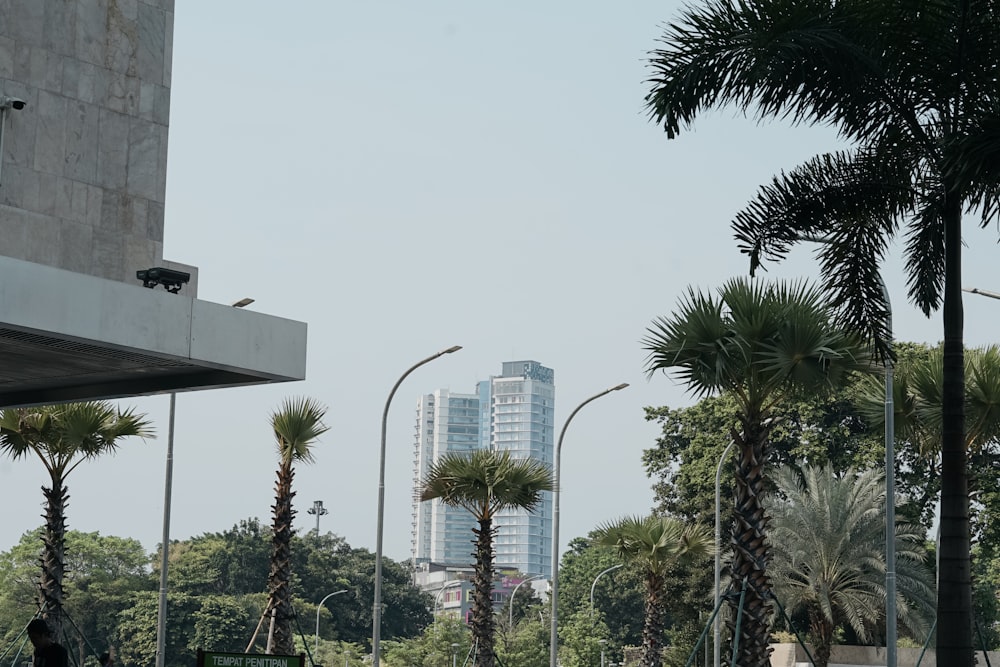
[(409, 176)]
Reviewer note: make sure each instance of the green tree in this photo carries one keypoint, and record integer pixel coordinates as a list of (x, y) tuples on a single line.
[(440, 642), (912, 86), (829, 556), (297, 425), (62, 437), (485, 482), (529, 646), (653, 545), (762, 345)]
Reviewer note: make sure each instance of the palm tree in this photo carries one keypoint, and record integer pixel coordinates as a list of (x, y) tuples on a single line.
[(758, 344), (297, 425), (63, 437), (911, 84), (484, 483), (829, 556), (655, 545)]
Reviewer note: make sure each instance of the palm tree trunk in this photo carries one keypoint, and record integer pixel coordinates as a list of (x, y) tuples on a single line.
[(652, 629), (280, 575), (954, 606), (751, 551), (51, 592), (482, 600)]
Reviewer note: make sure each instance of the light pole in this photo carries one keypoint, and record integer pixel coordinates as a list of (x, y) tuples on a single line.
[(976, 290), (454, 654), (553, 632), (510, 606), (599, 575), (318, 607), (161, 612), (319, 511), (377, 604), (717, 631), (447, 585), (602, 642), (890, 482)]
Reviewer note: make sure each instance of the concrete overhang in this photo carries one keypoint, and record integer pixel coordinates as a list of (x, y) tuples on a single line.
[(67, 336)]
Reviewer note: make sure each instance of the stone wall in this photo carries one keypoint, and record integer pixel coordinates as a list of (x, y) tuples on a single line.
[(83, 176)]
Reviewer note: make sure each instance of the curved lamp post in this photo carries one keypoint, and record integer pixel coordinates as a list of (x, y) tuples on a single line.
[(510, 607), (437, 597), (890, 481), (593, 585), (318, 607), (161, 611), (553, 632), (377, 604)]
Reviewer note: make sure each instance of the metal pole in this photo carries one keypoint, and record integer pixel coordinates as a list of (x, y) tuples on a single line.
[(613, 567), (890, 500), (717, 634), (510, 607), (318, 607), (553, 631), (377, 604), (161, 613)]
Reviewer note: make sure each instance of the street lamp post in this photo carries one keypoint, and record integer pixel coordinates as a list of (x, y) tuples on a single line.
[(318, 607), (319, 511), (593, 585), (890, 483), (377, 604), (602, 642), (717, 633), (553, 631), (168, 482), (976, 290), (510, 606), (454, 654), (437, 597)]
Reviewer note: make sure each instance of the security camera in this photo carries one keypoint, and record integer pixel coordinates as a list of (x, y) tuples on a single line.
[(12, 103)]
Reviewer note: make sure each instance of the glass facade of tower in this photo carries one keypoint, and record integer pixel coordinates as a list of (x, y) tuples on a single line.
[(515, 412)]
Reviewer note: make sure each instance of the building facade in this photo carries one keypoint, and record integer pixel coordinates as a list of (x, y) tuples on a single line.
[(512, 411)]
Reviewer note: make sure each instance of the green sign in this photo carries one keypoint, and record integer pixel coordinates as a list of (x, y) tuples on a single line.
[(214, 659)]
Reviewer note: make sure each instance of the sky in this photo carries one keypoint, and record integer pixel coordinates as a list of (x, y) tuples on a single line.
[(405, 177)]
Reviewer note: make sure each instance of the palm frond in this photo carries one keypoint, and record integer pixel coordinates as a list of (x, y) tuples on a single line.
[(297, 424)]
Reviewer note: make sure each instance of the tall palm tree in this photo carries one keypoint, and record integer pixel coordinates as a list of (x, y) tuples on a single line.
[(911, 85), (654, 545), (63, 437), (484, 483), (297, 425), (829, 555), (759, 344)]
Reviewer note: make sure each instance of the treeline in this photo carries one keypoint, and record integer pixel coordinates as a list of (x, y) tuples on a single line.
[(217, 585)]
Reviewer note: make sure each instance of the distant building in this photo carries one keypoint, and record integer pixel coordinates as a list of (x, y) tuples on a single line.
[(512, 411)]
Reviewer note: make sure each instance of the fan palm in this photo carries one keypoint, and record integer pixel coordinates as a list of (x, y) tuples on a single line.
[(829, 556), (911, 84), (918, 394), (484, 483), (758, 344), (297, 425), (63, 437), (654, 545)]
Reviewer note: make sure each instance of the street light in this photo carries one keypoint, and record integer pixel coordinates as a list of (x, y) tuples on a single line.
[(599, 575), (319, 511), (510, 609), (447, 585), (890, 481), (318, 607), (454, 654), (602, 642), (377, 604), (553, 632), (161, 612), (976, 290), (718, 557)]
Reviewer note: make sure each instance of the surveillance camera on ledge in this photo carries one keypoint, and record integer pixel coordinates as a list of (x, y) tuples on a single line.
[(171, 280)]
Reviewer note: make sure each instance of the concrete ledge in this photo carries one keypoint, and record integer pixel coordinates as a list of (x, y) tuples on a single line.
[(68, 336)]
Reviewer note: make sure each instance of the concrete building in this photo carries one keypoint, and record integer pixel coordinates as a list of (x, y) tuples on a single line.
[(512, 411), (84, 116)]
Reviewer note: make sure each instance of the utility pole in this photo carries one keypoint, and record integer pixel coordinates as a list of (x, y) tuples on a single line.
[(319, 511)]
